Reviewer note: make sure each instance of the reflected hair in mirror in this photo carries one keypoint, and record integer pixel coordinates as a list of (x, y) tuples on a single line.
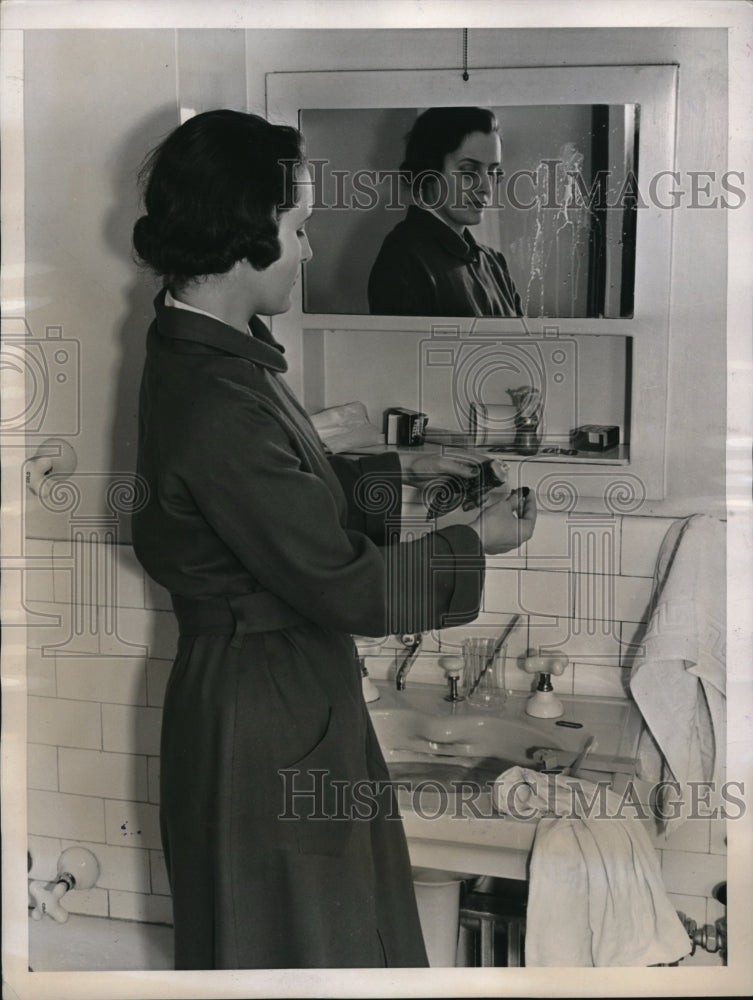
[(435, 133)]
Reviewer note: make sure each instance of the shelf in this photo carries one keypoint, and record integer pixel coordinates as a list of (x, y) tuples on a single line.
[(614, 456)]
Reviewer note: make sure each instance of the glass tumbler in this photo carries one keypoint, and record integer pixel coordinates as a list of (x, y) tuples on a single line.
[(484, 673)]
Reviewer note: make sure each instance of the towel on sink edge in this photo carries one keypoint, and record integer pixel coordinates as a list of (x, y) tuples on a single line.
[(678, 678), (596, 896)]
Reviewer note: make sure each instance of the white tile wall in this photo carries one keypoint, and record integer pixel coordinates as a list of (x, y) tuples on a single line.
[(714, 910), (119, 867), (641, 541), (516, 644), (140, 906), (153, 771), (61, 722), (131, 585), (42, 767), (75, 817), (718, 835), (109, 775), (90, 902), (156, 632), (40, 674), (516, 559), (157, 673), (94, 719), (45, 852), (62, 585), (632, 596), (610, 682), (555, 634), (545, 594), (692, 872), (38, 586), (160, 884), (119, 679), (131, 729), (501, 594), (549, 548), (630, 641), (38, 551), (156, 596), (47, 626), (132, 824), (692, 835), (692, 906)]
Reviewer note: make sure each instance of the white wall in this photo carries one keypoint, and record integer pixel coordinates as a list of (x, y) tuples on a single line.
[(95, 103)]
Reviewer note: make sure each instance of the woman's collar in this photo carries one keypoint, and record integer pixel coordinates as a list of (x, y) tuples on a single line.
[(182, 322)]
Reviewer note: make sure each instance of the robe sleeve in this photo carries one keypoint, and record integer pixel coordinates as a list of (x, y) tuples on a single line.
[(283, 524), (363, 477), (431, 584)]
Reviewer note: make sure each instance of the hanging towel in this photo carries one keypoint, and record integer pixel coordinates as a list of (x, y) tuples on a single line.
[(596, 897), (678, 678)]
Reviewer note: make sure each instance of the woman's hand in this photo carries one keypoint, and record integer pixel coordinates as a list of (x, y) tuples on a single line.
[(418, 468), (504, 524)]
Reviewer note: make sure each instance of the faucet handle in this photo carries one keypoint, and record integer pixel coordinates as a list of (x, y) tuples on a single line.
[(453, 668), (452, 665), (554, 663)]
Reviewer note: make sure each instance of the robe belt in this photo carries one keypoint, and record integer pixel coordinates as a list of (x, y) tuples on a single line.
[(239, 615)]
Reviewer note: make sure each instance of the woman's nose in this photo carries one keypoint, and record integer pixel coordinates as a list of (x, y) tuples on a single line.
[(485, 184), (306, 252)]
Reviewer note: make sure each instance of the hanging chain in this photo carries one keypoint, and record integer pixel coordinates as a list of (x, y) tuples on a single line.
[(465, 55)]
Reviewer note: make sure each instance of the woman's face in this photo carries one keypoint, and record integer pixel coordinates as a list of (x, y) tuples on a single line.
[(468, 180), (275, 283)]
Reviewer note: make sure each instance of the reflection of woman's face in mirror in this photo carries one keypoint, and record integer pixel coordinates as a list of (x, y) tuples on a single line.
[(467, 181)]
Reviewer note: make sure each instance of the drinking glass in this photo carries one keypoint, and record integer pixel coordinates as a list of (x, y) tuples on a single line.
[(483, 673)]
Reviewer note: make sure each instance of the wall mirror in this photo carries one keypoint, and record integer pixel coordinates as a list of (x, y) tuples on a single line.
[(580, 213), (562, 208)]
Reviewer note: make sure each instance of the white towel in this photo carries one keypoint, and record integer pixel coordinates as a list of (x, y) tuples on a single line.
[(678, 678), (596, 897), (346, 427)]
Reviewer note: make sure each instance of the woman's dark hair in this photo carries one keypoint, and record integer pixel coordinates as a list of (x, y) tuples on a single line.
[(214, 189), (436, 133)]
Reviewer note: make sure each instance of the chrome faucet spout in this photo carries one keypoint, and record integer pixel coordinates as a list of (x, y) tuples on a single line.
[(411, 641)]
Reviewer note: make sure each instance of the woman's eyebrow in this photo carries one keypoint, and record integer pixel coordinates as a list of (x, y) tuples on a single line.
[(478, 163)]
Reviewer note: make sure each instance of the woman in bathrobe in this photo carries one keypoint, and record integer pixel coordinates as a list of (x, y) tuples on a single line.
[(282, 841)]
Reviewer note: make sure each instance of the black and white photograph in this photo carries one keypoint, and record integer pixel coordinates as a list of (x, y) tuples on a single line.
[(377, 535)]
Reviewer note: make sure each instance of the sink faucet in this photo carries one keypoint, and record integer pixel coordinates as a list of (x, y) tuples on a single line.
[(411, 641)]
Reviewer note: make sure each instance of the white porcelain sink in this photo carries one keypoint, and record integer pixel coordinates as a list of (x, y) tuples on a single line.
[(435, 749), (443, 757)]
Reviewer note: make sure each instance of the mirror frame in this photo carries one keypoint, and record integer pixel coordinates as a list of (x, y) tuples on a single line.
[(653, 88)]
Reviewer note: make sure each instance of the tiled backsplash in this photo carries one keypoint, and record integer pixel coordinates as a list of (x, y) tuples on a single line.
[(96, 684)]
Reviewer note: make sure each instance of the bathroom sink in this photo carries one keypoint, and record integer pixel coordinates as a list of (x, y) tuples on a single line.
[(420, 721), (435, 749), (428, 780), (443, 757)]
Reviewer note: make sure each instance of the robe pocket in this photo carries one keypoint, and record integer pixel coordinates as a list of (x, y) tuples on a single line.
[(316, 792)]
